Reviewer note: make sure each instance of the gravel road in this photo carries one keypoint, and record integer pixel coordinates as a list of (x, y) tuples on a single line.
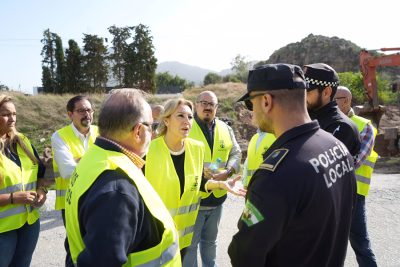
[(383, 211)]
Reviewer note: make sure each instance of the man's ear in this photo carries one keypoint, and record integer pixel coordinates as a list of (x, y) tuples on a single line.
[(267, 102), (69, 113), (327, 92), (136, 131)]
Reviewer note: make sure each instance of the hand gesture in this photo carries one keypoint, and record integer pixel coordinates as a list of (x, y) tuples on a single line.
[(234, 186), (24, 197), (41, 198)]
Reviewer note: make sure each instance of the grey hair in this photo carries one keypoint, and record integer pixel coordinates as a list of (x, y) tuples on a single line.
[(121, 111)]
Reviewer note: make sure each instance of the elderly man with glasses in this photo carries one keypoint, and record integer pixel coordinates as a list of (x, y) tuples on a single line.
[(68, 145), (221, 149), (114, 216)]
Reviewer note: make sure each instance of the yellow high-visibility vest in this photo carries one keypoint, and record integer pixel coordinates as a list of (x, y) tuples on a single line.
[(221, 148), (161, 173), (24, 178), (364, 172), (97, 160), (77, 150), (255, 155)]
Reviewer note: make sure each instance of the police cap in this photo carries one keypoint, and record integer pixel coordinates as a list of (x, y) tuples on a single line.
[(320, 75), (273, 77)]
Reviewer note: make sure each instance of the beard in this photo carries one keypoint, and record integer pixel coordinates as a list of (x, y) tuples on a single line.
[(263, 123), (316, 105), (86, 122)]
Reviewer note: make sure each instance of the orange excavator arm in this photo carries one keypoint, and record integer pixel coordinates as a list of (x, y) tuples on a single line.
[(368, 65)]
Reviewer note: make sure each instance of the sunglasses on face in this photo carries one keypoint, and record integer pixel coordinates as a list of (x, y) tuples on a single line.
[(248, 103)]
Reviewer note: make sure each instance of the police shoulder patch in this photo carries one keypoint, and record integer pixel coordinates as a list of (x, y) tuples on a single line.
[(274, 159), (251, 215)]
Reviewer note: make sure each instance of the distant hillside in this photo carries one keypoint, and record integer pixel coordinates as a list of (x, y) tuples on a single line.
[(341, 54), (188, 72)]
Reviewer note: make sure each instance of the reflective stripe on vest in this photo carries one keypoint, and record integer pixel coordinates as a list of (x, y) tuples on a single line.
[(75, 146), (14, 211), (15, 179), (363, 179), (97, 160), (185, 209), (221, 148), (186, 231), (161, 173), (364, 172), (255, 154), (165, 257), (18, 187)]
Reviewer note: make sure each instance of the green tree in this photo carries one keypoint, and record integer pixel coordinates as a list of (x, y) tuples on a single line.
[(212, 78), (231, 78), (240, 67), (49, 61), (354, 81), (95, 67), (60, 67), (166, 83), (73, 68), (47, 80), (120, 45), (4, 87), (141, 64)]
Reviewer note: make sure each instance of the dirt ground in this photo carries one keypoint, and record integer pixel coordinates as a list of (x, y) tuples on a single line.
[(383, 205)]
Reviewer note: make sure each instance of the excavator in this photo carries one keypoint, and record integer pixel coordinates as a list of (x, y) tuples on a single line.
[(368, 65), (372, 110)]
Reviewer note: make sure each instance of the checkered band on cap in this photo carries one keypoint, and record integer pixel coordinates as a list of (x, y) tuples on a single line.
[(321, 83)]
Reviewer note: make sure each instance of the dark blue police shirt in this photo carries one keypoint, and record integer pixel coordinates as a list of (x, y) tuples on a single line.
[(298, 209), (332, 120)]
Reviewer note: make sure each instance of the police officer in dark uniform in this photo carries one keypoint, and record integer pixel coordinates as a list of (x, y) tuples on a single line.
[(322, 86), (299, 202)]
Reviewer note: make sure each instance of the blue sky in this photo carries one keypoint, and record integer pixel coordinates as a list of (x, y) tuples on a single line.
[(204, 33)]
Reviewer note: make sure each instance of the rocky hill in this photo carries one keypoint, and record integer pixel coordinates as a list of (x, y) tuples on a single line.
[(341, 54)]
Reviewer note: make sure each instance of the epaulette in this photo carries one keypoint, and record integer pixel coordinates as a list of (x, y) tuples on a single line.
[(273, 160)]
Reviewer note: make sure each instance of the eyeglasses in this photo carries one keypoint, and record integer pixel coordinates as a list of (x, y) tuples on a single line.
[(247, 101), (152, 126), (83, 111), (342, 97), (205, 104)]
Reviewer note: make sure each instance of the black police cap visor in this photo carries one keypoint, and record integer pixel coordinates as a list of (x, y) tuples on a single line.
[(271, 77)]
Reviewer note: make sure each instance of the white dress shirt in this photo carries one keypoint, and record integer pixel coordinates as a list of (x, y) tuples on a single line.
[(63, 156)]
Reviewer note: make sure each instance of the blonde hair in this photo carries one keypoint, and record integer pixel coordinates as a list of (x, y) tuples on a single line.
[(13, 137), (170, 108)]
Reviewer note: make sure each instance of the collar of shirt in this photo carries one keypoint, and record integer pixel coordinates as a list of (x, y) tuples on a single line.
[(292, 134), (330, 110), (79, 134), (261, 135), (114, 146)]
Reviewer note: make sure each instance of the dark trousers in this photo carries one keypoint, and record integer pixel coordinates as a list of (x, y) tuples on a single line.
[(359, 239), (68, 259)]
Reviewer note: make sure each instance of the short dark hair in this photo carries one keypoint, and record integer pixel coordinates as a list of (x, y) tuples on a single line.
[(289, 98), (322, 88), (71, 103)]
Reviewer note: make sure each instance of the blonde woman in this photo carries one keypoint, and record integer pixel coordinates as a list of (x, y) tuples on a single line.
[(20, 196), (174, 166)]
